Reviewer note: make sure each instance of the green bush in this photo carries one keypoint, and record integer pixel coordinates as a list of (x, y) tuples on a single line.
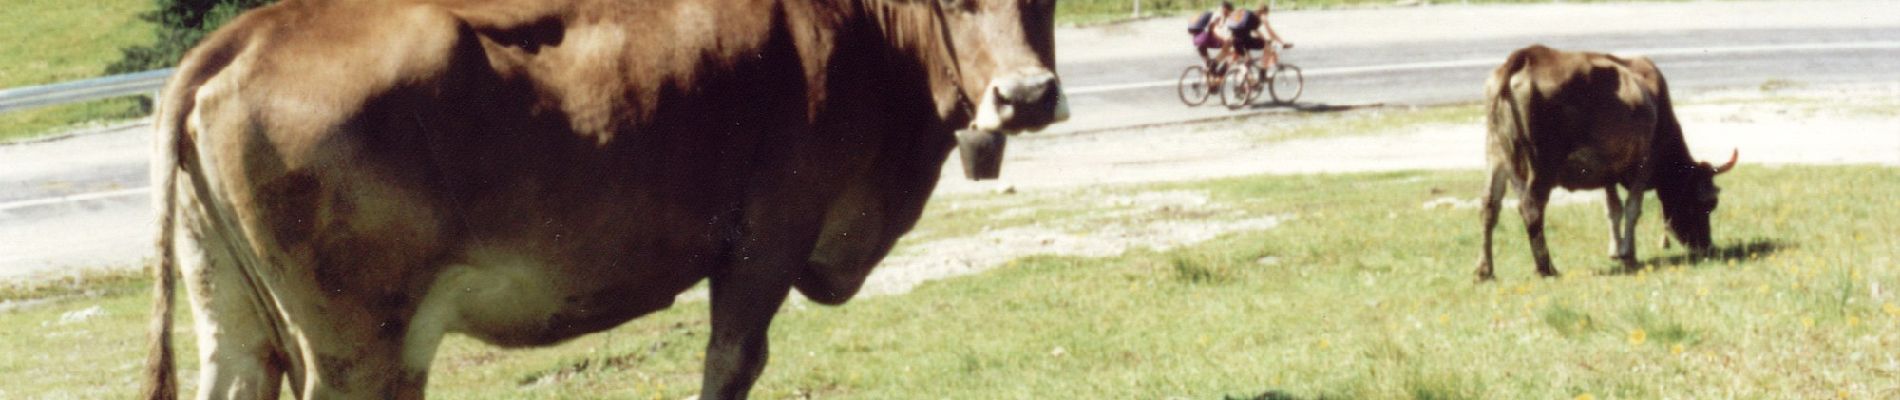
[(181, 24)]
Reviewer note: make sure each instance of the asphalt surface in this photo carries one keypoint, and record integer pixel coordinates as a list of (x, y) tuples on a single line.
[(80, 202), (1432, 73)]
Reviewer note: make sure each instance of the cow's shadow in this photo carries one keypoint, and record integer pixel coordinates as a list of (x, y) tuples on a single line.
[(1752, 249)]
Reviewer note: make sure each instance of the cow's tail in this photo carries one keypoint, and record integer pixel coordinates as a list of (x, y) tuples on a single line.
[(173, 155), (1501, 78), (162, 382), (1509, 119)]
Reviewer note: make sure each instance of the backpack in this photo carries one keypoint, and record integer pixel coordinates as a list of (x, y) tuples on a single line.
[(1200, 23), (1248, 21)]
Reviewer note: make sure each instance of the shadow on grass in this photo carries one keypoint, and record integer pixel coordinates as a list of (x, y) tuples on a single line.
[(1752, 249), (1314, 108), (1268, 395)]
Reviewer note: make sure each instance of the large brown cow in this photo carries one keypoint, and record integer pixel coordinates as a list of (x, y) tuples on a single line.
[(1584, 120), (343, 182)]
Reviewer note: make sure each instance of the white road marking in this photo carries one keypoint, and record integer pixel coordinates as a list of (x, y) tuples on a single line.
[(76, 197), (1480, 62)]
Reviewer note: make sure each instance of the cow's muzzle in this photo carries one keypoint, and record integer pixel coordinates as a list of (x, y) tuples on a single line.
[(1028, 99)]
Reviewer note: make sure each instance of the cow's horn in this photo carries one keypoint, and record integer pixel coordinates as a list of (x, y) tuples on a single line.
[(1732, 157)]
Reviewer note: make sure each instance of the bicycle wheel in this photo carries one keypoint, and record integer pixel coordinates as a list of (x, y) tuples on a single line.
[(1193, 87), (1239, 88), (1286, 84)]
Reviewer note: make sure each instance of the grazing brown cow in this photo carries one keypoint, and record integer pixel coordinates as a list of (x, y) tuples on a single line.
[(341, 183), (1585, 121)]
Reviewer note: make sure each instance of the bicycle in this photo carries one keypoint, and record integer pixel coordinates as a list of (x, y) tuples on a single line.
[(1197, 84), (1284, 83)]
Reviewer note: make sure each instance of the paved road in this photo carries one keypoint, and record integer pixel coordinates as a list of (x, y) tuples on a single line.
[(1131, 91), (81, 202)]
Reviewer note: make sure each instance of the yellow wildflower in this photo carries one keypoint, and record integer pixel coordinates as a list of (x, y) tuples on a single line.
[(1702, 291), (1444, 319), (1675, 349), (1853, 321), (1637, 336), (1891, 309), (1586, 396), (1807, 322)]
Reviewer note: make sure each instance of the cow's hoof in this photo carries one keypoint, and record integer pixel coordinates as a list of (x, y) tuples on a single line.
[(1629, 263), (1548, 272)]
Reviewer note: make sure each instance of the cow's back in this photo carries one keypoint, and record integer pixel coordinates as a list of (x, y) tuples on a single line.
[(1575, 119), (355, 151), (600, 154)]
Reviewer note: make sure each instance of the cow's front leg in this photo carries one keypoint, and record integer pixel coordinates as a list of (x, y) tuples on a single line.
[(1613, 212), (745, 297)]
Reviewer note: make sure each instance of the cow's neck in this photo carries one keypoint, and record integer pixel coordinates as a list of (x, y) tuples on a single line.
[(915, 30), (1675, 171)]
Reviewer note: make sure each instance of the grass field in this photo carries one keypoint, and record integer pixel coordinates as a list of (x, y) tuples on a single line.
[(1363, 294), (51, 41)]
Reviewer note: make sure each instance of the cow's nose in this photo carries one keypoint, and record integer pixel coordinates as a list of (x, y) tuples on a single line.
[(1029, 99), (1029, 88)]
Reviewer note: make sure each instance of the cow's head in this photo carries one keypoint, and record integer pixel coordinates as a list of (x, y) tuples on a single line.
[(1003, 62), (1687, 211)]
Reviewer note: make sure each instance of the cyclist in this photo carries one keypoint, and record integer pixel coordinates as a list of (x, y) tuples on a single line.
[(1204, 38), (1269, 57), (1250, 31)]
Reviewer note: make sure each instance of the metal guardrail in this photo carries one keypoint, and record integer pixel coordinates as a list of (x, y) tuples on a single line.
[(136, 83)]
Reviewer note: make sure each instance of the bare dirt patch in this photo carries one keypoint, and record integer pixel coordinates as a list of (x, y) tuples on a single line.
[(1101, 226)]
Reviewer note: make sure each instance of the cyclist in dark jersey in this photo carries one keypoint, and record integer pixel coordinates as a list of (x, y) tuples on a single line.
[(1269, 57), (1203, 29), (1250, 31)]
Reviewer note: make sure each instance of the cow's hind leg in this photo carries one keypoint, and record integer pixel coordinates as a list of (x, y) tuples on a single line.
[(238, 351), (353, 359), (1531, 207), (1488, 212)]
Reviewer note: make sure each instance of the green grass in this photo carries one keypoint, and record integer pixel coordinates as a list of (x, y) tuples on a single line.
[(1371, 297), (51, 41)]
